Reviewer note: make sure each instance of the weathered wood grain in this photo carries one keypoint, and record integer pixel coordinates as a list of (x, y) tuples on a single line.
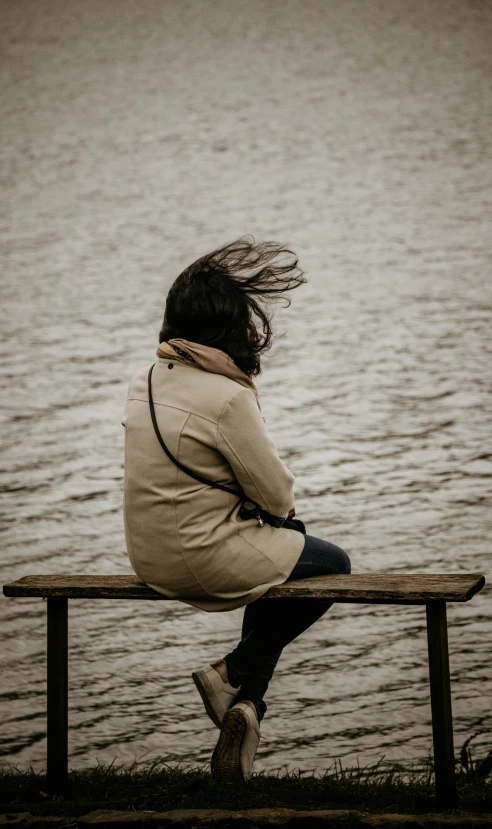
[(405, 588), (413, 588)]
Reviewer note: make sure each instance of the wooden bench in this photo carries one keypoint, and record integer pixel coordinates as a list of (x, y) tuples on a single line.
[(433, 591)]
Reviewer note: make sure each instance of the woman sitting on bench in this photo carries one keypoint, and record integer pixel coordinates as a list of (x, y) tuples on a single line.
[(210, 520)]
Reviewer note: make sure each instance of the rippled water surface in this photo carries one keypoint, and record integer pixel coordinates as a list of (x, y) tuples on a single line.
[(137, 136)]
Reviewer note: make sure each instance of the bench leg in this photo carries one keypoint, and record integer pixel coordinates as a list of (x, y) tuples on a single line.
[(442, 718), (57, 764)]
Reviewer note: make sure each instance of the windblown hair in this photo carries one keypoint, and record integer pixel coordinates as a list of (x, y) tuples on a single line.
[(225, 298)]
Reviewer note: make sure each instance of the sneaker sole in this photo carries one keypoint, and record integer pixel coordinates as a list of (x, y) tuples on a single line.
[(226, 759), (207, 693)]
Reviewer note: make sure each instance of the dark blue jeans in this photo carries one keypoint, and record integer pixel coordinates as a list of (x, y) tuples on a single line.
[(268, 626)]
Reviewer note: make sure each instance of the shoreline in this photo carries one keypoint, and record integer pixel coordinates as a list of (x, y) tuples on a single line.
[(163, 795)]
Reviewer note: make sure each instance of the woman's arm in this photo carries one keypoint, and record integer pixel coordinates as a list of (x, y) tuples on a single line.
[(243, 439)]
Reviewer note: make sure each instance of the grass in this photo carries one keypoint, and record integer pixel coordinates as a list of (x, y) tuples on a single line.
[(161, 787)]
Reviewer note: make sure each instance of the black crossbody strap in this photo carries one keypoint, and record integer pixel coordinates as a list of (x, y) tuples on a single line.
[(172, 458)]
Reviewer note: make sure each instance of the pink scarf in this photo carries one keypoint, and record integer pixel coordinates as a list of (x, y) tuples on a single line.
[(207, 358)]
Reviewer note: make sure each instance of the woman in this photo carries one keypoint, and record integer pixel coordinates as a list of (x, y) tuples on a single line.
[(191, 540)]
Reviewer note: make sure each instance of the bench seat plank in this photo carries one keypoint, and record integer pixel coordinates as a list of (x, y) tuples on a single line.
[(404, 588)]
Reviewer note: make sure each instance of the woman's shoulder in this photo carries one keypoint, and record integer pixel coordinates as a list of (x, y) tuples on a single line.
[(190, 388)]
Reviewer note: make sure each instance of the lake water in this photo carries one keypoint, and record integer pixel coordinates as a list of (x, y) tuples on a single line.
[(137, 136)]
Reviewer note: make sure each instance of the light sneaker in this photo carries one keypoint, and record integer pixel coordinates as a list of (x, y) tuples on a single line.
[(235, 751), (215, 690)]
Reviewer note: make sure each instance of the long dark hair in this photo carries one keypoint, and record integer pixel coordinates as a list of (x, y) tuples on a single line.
[(224, 299)]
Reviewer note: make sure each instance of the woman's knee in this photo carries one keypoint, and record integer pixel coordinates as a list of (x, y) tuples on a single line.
[(345, 566), (339, 560), (325, 554)]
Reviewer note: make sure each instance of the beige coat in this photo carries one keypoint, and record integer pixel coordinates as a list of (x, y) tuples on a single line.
[(185, 539)]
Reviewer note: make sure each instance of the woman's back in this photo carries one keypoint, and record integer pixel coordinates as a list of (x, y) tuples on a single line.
[(185, 538)]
